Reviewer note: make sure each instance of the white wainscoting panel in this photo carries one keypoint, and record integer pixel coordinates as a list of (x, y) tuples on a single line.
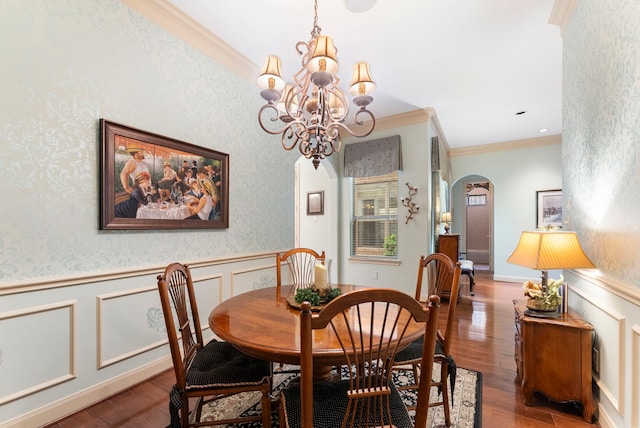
[(252, 279), (135, 317), (635, 376), (610, 342), (28, 334), (129, 324)]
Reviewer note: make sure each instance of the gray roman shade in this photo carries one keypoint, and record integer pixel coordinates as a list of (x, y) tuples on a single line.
[(375, 157)]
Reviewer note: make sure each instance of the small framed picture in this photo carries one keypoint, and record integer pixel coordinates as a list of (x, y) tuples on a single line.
[(549, 209), (315, 203)]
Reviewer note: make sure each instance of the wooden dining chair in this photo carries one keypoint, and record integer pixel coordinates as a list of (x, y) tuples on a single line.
[(204, 372), (370, 325), (301, 263), (438, 272)]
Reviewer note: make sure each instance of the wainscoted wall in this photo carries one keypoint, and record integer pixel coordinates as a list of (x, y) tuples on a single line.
[(601, 176), (79, 314), (84, 338)]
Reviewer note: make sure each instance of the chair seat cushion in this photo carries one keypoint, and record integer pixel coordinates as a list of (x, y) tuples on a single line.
[(466, 266), (414, 352), (330, 405), (221, 364)]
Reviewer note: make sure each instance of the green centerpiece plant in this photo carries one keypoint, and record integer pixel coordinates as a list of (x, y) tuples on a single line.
[(316, 296)]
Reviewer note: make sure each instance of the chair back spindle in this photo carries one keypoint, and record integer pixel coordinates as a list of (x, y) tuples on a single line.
[(370, 325), (301, 264)]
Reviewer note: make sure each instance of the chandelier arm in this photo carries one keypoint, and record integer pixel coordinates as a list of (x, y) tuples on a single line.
[(289, 134), (304, 53), (331, 147), (266, 108), (336, 126), (306, 149)]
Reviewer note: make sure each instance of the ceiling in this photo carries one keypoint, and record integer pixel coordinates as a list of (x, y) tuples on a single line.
[(476, 63)]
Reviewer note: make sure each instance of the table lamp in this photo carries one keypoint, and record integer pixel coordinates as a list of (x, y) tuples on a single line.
[(549, 250), (446, 219)]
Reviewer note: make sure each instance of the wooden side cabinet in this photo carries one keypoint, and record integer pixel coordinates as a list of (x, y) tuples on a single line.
[(449, 244), (553, 357)]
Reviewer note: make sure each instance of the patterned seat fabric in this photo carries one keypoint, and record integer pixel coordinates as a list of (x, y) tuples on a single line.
[(221, 364), (330, 405)]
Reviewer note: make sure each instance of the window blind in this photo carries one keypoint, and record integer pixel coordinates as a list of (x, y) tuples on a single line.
[(373, 158), (375, 216)]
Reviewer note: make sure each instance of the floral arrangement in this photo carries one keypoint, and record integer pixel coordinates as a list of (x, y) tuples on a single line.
[(550, 299), (316, 296)]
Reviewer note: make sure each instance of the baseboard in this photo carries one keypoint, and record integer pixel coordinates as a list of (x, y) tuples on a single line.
[(603, 419), (503, 278), (82, 399)]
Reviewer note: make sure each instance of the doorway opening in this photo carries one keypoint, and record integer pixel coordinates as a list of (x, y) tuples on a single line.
[(478, 225)]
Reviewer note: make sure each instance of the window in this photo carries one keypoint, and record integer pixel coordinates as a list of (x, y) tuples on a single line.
[(473, 200), (374, 219)]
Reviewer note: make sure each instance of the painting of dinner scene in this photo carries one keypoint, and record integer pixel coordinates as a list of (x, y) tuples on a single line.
[(153, 182)]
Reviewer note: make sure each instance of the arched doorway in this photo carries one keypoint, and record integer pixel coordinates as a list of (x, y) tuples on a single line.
[(473, 200)]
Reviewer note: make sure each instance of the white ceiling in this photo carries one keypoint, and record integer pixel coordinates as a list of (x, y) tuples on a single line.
[(476, 62)]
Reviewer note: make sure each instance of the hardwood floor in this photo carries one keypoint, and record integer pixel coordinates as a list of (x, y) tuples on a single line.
[(484, 342)]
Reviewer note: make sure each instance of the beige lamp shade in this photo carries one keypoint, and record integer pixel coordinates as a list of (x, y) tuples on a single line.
[(550, 250), (361, 81), (271, 75), (446, 217), (324, 56)]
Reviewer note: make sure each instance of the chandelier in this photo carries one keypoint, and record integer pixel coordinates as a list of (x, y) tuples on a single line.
[(311, 112)]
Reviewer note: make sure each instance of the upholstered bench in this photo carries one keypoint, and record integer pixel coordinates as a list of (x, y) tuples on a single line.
[(468, 269)]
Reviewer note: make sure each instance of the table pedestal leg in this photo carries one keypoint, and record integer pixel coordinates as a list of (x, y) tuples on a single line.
[(322, 373)]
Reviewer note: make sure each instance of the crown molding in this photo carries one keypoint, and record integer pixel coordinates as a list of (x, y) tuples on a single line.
[(181, 25), (562, 12), (425, 115), (528, 143), (404, 119)]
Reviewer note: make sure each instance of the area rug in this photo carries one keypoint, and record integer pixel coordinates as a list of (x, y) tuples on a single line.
[(466, 411)]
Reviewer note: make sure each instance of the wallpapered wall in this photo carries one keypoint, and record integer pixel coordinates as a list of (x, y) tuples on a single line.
[(601, 139), (67, 63)]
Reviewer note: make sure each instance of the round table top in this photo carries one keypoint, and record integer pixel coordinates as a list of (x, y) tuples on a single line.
[(265, 326)]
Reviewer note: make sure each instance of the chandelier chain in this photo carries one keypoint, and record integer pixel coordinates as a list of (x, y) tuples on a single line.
[(315, 32)]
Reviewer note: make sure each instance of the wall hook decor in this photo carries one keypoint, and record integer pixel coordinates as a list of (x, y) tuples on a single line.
[(412, 207)]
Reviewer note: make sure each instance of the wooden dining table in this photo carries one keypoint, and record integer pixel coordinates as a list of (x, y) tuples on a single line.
[(264, 325)]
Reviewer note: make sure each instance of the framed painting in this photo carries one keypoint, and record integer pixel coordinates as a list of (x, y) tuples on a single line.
[(148, 181), (315, 203), (549, 209)]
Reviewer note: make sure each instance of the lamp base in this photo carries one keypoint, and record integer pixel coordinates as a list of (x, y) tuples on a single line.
[(541, 314)]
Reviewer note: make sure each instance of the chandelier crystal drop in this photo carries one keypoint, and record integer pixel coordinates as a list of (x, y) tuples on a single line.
[(310, 113)]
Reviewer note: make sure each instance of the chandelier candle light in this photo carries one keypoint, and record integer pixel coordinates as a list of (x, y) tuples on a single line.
[(311, 112), (545, 251)]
